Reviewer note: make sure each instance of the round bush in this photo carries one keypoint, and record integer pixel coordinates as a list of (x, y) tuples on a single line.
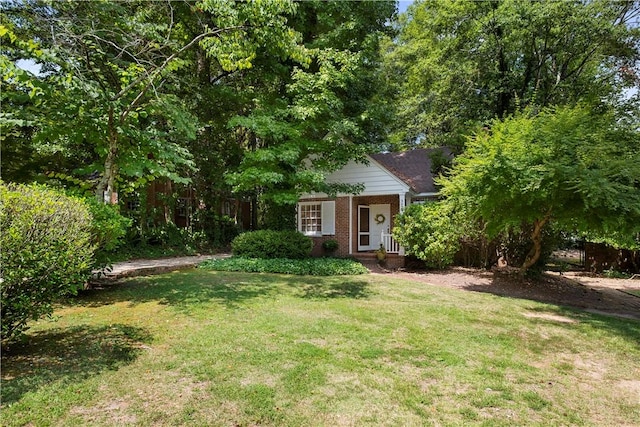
[(46, 252), (428, 232), (330, 245), (272, 244), (108, 226)]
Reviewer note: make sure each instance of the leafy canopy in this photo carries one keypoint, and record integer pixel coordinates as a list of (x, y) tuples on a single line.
[(459, 64), (571, 166)]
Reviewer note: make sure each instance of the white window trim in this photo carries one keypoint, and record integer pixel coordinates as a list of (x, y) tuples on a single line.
[(327, 218)]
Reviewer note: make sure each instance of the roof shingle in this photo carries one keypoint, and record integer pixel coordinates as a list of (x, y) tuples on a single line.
[(412, 167)]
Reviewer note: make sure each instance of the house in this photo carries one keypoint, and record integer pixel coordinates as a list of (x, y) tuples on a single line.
[(361, 223), (599, 257)]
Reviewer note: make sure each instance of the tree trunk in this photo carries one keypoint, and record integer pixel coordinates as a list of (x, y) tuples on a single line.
[(254, 212), (536, 236), (106, 191), (168, 209)]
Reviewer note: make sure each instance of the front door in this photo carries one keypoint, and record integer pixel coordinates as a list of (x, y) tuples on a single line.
[(372, 221)]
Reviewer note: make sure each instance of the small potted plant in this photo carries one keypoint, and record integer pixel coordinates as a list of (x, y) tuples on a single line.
[(381, 253), (330, 246)]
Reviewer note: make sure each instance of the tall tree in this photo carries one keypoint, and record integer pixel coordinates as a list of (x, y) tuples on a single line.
[(460, 64), (121, 61), (573, 167), (319, 112)]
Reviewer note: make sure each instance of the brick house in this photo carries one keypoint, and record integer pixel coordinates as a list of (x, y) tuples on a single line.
[(599, 257), (360, 223)]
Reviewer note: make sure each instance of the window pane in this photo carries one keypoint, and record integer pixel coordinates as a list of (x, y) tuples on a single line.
[(310, 219), (364, 220)]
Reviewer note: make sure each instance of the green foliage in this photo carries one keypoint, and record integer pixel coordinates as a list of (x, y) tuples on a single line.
[(429, 232), (108, 226), (302, 267), (440, 162), (279, 217), (109, 102), (165, 239), (615, 274), (457, 65), (573, 168), (136, 91), (272, 244), (330, 245), (322, 115), (220, 230), (46, 252)]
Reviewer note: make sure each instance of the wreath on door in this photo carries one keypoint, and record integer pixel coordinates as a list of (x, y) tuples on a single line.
[(380, 219)]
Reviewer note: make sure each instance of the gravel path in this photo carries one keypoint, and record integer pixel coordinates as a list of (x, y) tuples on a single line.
[(145, 267)]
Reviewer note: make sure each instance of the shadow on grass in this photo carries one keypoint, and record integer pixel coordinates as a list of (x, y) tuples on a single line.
[(67, 355), (189, 288), (625, 328), (606, 309), (347, 289)]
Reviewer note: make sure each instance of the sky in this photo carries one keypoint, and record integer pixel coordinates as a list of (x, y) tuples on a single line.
[(403, 5)]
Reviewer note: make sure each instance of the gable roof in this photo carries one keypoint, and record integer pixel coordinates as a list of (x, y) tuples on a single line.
[(412, 167)]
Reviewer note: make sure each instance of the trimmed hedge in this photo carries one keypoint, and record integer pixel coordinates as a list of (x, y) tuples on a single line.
[(272, 244), (46, 252), (302, 267)]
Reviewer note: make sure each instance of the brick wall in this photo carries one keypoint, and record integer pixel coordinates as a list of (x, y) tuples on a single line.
[(342, 221), (342, 229)]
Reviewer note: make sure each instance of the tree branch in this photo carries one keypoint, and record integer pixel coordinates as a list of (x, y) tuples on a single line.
[(157, 71), (171, 58)]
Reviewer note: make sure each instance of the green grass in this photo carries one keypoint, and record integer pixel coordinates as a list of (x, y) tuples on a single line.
[(216, 348)]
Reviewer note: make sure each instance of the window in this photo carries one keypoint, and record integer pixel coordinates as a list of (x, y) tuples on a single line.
[(316, 218), (311, 218), (182, 206), (133, 204)]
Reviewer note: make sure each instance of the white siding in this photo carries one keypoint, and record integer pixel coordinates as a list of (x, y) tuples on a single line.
[(376, 179)]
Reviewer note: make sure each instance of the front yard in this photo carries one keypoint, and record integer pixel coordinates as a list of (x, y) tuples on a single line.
[(236, 349)]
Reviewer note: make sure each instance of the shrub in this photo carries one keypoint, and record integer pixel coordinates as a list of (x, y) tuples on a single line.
[(46, 252), (428, 232), (330, 245), (279, 217), (220, 230), (108, 227), (272, 244), (309, 266)]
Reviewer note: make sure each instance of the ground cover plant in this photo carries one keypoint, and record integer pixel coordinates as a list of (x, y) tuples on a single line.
[(308, 266), (219, 348)]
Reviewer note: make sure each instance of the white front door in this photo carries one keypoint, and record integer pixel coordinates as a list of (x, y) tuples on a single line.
[(380, 221), (372, 221)]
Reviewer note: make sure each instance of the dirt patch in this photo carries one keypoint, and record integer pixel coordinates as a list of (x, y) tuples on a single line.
[(631, 388), (595, 294), (550, 316), (115, 411)]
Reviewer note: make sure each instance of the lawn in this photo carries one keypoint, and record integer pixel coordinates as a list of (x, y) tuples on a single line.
[(237, 349)]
